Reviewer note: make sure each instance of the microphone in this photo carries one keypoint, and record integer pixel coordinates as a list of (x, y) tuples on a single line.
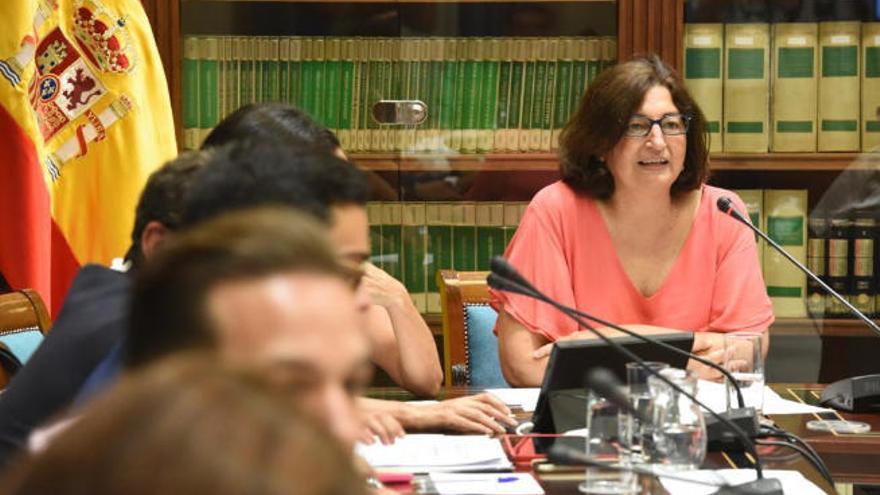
[(857, 394), (501, 283), (502, 268)]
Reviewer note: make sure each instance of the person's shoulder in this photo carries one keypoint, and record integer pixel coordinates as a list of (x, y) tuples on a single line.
[(557, 196)]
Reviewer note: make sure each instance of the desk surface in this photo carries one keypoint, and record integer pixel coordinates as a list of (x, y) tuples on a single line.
[(851, 458)]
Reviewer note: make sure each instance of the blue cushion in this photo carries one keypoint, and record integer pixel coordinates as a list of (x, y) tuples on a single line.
[(484, 369), (22, 344)]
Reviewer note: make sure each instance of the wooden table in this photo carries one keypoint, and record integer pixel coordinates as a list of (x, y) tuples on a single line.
[(851, 458)]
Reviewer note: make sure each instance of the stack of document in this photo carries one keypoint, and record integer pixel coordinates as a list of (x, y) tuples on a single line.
[(486, 484), (437, 453), (792, 481)]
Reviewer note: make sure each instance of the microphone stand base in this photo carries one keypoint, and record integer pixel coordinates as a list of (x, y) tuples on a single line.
[(721, 437), (764, 486)]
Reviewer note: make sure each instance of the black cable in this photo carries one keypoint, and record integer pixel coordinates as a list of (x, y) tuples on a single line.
[(791, 436), (817, 463)]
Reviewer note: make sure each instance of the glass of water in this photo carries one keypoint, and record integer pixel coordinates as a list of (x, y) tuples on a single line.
[(642, 401), (607, 441), (744, 359), (679, 430)]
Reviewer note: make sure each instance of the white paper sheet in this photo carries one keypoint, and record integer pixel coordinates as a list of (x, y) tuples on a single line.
[(436, 453), (792, 481), (525, 398), (714, 395), (486, 484)]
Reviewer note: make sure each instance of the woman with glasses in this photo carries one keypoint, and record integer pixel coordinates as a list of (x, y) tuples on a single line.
[(631, 233)]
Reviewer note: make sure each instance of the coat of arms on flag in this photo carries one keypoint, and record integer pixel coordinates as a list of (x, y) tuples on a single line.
[(86, 100)]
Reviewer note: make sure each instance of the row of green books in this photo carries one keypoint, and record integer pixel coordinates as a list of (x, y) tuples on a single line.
[(482, 94), (412, 240), (787, 87)]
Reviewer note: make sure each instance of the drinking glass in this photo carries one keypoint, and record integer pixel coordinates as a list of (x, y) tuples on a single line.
[(744, 359), (608, 437), (679, 428), (643, 402)]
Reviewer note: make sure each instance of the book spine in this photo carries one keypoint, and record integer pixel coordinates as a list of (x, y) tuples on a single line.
[(361, 135), (863, 284), (703, 47), (447, 96), (464, 236), (259, 51), (295, 74), (376, 87), (511, 220), (786, 224), (307, 91), (490, 233), (208, 79), (222, 63), (754, 200), (461, 52), (412, 73), (471, 95), (435, 105), (489, 94), (747, 82), (609, 52), (424, 83), (502, 109), (517, 83), (392, 225), (529, 84), (190, 85), (347, 93), (415, 239), (319, 80), (439, 219), (537, 114), (839, 95), (391, 49), (562, 100), (817, 262), (594, 59), (795, 90), (333, 83), (578, 74), (871, 86), (549, 95), (839, 266), (399, 57), (284, 70), (272, 69)]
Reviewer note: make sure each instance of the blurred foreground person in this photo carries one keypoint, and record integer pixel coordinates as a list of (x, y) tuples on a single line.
[(192, 424)]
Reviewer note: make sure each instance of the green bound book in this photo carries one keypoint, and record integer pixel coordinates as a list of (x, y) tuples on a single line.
[(447, 93), (362, 109), (376, 87), (438, 216), (470, 94), (562, 98), (609, 52), (414, 242), (259, 56), (333, 83), (578, 74), (703, 50), (511, 220), (374, 216), (786, 214), (271, 70), (594, 59), (435, 85), (295, 72), (490, 233), (422, 133), (549, 95), (222, 67), (245, 70), (464, 236), (319, 80), (284, 70), (795, 88), (398, 53), (839, 92), (528, 94), (208, 92), (347, 82), (190, 96), (746, 88), (307, 91), (871, 86), (489, 95), (502, 109), (536, 121), (510, 137), (392, 239)]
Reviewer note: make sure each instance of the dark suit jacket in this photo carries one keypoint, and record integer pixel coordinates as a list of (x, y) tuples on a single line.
[(93, 319)]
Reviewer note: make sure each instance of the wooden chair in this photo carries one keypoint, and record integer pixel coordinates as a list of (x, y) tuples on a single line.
[(470, 349), (24, 321)]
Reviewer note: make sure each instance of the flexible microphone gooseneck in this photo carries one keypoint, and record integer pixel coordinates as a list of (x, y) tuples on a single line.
[(856, 394), (726, 206), (500, 282), (502, 267)]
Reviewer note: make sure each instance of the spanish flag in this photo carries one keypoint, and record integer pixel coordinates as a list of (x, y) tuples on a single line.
[(85, 117)]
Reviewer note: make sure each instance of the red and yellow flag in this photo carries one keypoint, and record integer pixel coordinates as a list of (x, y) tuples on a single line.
[(85, 117)]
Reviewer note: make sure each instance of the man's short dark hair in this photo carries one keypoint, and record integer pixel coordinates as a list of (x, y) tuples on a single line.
[(168, 310), (253, 172), (271, 121), (162, 199)]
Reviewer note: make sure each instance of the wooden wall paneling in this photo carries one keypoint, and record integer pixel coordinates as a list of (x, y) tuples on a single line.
[(651, 26), (624, 30)]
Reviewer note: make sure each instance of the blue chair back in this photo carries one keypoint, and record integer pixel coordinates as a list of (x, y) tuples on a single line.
[(483, 366)]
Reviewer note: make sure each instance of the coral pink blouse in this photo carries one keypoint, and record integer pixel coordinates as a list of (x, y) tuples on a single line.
[(564, 248)]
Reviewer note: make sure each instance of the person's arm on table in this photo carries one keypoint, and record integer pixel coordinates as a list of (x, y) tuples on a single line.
[(518, 351), (403, 345), (483, 414)]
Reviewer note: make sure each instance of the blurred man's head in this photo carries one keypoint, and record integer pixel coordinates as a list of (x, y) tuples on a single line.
[(161, 205), (258, 286), (247, 173)]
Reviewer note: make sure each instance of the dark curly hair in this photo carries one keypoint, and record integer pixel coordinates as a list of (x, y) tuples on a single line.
[(601, 119)]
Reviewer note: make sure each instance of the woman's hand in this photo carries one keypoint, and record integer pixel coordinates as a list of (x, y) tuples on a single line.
[(709, 346), (383, 289)]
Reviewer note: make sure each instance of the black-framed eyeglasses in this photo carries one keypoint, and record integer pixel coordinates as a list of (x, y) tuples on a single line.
[(674, 124)]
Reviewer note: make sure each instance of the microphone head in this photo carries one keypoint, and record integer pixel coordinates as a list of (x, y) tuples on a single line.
[(605, 383), (503, 268), (566, 455), (724, 204), (499, 282)]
